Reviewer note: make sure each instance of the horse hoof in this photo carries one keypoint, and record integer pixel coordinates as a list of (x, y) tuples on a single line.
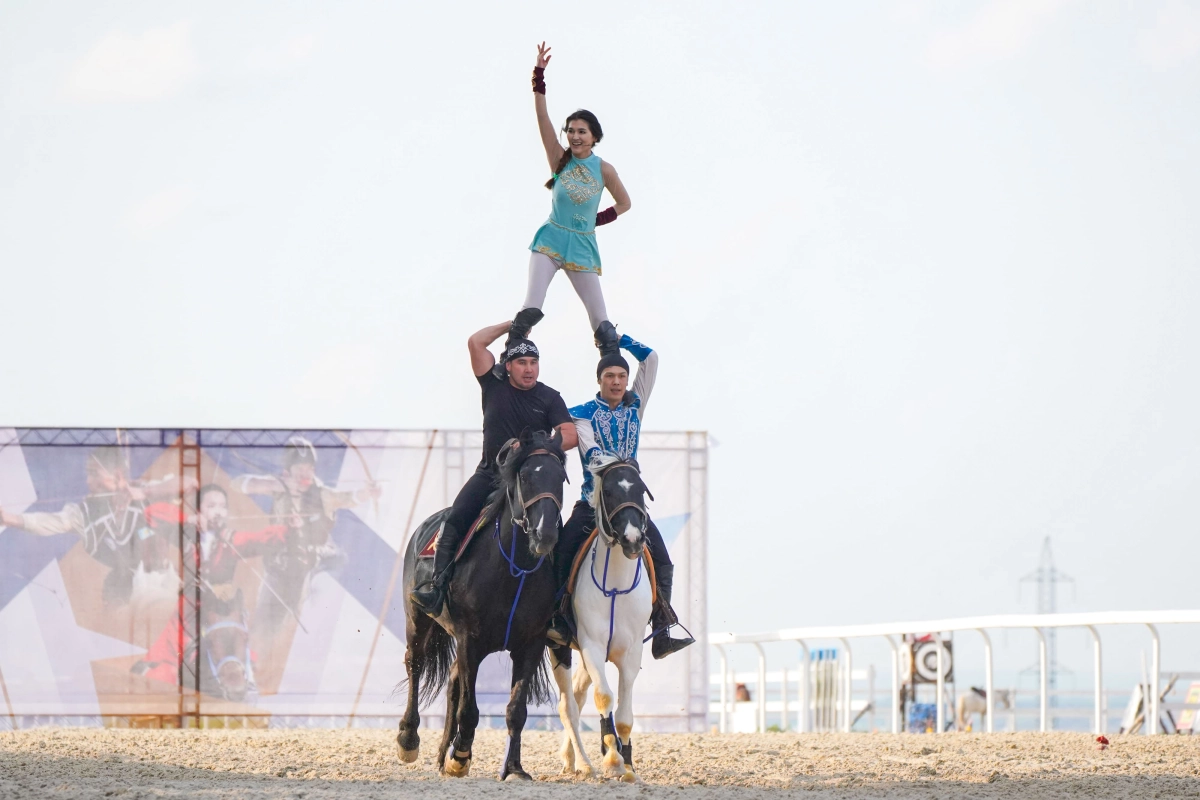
[(517, 776), (586, 773), (457, 770), (407, 756), (629, 777)]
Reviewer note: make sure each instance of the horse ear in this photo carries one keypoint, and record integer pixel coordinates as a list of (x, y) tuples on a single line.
[(525, 435)]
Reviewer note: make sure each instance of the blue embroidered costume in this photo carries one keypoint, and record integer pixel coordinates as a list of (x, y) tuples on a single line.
[(616, 431)]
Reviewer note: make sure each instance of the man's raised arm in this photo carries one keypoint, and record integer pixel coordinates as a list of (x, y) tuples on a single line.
[(482, 359)]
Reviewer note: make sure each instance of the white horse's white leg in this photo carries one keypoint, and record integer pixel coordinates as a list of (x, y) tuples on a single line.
[(612, 765), (628, 666), (574, 757), (583, 679)]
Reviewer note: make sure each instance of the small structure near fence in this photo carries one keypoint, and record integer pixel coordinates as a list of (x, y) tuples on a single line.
[(828, 683)]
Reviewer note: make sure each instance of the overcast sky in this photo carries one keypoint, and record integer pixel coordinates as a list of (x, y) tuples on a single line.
[(927, 271)]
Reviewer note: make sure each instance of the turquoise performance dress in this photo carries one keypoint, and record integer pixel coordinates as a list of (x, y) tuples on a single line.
[(569, 235)]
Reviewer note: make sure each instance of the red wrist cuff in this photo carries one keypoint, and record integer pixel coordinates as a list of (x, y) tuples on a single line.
[(606, 216), (539, 80)]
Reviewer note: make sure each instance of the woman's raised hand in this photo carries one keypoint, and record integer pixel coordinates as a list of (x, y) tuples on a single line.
[(543, 55)]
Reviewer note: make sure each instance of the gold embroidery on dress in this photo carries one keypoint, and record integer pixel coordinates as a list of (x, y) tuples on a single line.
[(580, 184), (570, 266)]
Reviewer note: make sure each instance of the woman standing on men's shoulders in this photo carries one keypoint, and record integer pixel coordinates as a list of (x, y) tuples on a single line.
[(567, 240)]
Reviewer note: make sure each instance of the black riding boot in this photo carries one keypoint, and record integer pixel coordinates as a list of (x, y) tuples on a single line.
[(663, 616), (607, 339), (521, 325), (430, 596)]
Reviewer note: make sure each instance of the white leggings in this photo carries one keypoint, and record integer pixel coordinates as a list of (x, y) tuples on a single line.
[(587, 285)]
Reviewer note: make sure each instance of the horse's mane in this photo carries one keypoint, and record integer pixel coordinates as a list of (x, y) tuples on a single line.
[(509, 468)]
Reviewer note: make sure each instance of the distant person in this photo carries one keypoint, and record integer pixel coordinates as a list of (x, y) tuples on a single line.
[(610, 424), (511, 404), (567, 240)]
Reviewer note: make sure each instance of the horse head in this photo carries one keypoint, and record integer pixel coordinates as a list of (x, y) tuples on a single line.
[(226, 642), (532, 473), (619, 499)]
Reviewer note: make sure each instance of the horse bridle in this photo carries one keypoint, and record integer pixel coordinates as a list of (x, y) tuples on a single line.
[(603, 517), (520, 503)]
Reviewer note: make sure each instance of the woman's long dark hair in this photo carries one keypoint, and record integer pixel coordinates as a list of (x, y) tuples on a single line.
[(593, 125)]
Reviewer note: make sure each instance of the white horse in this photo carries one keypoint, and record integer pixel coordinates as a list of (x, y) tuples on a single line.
[(975, 702), (612, 601)]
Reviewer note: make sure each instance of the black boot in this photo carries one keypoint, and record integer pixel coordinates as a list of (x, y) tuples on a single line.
[(520, 327), (663, 616), (607, 339), (523, 323), (430, 596)]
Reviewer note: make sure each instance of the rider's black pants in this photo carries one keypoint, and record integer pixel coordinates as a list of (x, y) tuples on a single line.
[(467, 506), (575, 532)]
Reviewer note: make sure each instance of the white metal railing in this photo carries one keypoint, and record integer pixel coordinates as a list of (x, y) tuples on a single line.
[(889, 631)]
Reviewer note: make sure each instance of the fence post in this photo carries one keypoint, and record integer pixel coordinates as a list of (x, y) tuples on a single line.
[(990, 700), (848, 683), (724, 724), (895, 684), (1155, 666), (762, 688), (1042, 690), (802, 719), (1099, 681), (940, 714)]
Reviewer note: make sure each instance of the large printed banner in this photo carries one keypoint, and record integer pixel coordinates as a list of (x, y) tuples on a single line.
[(177, 573)]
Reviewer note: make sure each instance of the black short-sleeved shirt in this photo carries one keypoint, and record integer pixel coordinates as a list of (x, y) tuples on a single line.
[(508, 410)]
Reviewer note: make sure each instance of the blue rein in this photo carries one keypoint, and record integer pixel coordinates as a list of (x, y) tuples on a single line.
[(613, 593), (515, 571)]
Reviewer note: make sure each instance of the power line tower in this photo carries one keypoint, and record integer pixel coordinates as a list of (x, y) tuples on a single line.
[(1048, 577)]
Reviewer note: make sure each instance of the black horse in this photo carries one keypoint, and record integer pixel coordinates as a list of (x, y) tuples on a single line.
[(501, 598)]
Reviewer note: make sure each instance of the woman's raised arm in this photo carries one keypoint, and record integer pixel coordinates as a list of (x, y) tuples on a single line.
[(554, 150)]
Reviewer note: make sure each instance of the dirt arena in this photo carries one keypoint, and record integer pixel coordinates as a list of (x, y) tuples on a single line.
[(309, 764)]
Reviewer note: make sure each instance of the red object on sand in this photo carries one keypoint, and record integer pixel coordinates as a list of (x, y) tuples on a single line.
[(1101, 742)]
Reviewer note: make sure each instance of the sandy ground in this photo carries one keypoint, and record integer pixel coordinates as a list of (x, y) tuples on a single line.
[(309, 764)]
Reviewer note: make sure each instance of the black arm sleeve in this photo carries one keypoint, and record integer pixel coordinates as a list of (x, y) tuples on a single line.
[(556, 411)]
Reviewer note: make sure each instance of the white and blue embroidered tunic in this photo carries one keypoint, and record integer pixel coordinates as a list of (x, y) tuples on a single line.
[(614, 431)]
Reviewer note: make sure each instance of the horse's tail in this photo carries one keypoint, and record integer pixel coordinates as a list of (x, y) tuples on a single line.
[(542, 690), (439, 655)]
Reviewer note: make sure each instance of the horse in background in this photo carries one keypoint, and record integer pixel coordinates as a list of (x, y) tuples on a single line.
[(975, 702), (500, 598), (612, 599)]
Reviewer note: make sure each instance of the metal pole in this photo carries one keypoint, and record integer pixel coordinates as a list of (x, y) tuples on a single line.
[(848, 684), (783, 693), (941, 685), (802, 718), (895, 684), (724, 723), (1152, 706), (1042, 712), (762, 688), (987, 680), (1098, 727)]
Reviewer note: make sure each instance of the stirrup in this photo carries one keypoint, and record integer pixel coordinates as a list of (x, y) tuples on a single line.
[(559, 632)]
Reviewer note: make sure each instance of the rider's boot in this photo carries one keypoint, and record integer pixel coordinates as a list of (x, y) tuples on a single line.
[(561, 631), (430, 596), (520, 327), (607, 339), (663, 616)]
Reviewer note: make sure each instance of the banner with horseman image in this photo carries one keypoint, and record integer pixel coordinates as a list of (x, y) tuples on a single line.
[(176, 574)]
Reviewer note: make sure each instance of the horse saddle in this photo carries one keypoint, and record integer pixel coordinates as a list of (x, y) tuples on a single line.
[(430, 548)]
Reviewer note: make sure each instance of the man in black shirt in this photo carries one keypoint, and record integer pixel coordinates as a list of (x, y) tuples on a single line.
[(513, 400)]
